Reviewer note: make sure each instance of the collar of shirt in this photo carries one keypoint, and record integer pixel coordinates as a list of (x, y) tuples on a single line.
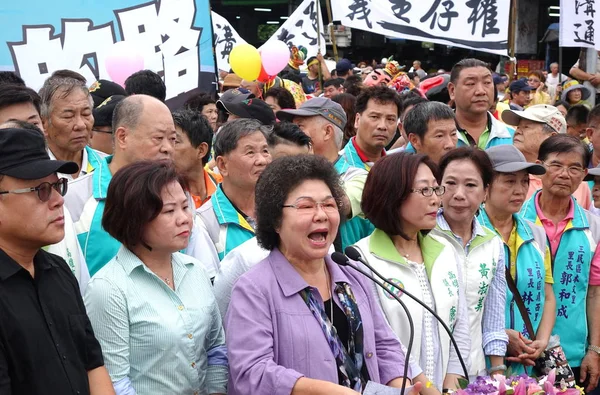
[(469, 139), (290, 280), (211, 181), (512, 248), (10, 267), (129, 261), (85, 164), (361, 153), (226, 212), (101, 178), (477, 229), (515, 107), (382, 246), (554, 232)]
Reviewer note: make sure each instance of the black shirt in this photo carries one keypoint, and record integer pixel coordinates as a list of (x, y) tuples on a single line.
[(47, 344), (340, 322), (310, 86)]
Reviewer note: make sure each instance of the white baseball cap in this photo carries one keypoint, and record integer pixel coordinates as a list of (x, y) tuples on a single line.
[(541, 113)]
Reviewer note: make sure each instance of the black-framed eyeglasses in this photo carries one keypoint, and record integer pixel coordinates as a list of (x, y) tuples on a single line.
[(429, 191), (44, 190)]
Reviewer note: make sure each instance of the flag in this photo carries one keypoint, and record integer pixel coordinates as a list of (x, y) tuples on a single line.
[(300, 29), (225, 38)]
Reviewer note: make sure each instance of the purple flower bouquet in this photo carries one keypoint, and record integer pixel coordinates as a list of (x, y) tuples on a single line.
[(518, 385)]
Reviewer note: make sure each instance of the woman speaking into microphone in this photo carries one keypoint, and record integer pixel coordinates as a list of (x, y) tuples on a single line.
[(298, 323)]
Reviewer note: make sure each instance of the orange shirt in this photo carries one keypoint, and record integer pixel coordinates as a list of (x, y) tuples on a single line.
[(211, 180), (583, 194)]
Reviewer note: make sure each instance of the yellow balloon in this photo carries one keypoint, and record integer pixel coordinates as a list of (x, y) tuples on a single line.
[(244, 60)]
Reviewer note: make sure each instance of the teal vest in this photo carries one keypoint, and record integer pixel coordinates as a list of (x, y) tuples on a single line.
[(237, 230), (97, 245), (571, 268), (94, 160), (529, 278), (355, 228), (351, 156)]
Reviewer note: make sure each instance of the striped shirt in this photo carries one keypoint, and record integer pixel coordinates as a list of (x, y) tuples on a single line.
[(156, 340), (495, 339)]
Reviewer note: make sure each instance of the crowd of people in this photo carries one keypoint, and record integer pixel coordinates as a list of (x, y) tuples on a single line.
[(147, 250)]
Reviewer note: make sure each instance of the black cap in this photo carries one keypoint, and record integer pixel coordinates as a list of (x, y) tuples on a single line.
[(104, 112), (103, 89), (246, 106), (24, 156)]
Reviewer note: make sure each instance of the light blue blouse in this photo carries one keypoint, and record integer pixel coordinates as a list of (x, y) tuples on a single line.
[(156, 340)]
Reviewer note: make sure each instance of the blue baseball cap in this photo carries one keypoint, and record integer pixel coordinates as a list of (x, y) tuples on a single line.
[(498, 79), (344, 65), (519, 86)]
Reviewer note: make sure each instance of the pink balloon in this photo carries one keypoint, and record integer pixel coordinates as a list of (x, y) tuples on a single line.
[(122, 61), (275, 55)]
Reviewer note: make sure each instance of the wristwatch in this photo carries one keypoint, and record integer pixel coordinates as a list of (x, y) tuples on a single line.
[(595, 349)]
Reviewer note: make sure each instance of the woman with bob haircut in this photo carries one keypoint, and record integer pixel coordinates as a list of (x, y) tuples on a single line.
[(401, 198), (467, 174), (151, 307), (298, 323)]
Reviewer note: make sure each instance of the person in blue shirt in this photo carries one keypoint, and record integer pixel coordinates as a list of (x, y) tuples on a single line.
[(151, 307)]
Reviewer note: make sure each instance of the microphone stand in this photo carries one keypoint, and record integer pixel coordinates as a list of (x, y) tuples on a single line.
[(343, 260), (353, 254)]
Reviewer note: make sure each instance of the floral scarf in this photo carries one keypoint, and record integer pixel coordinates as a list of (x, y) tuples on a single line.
[(349, 361)]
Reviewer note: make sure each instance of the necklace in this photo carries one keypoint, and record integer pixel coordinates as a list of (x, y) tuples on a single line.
[(403, 253), (167, 280)]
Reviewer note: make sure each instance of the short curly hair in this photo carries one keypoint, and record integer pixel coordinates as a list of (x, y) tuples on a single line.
[(278, 180)]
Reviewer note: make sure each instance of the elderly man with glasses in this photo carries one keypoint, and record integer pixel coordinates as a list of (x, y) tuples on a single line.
[(573, 235), (533, 126)]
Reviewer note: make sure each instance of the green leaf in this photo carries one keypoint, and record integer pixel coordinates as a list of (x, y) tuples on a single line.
[(463, 383)]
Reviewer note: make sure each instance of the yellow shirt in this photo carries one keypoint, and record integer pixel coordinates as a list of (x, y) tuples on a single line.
[(512, 247), (540, 98)]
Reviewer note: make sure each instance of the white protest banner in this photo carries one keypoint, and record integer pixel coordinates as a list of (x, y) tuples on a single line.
[(300, 29), (173, 37), (577, 24), (225, 38), (481, 25)]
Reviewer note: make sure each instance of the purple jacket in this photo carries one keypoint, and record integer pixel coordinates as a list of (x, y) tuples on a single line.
[(273, 339)]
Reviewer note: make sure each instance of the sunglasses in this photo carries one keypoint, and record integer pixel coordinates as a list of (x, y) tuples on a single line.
[(44, 190)]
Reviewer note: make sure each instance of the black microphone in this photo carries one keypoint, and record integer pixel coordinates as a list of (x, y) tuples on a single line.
[(343, 260), (353, 254)]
